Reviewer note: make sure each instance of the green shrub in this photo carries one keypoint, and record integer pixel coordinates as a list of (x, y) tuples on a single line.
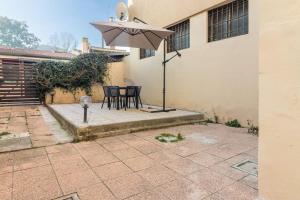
[(234, 123), (80, 73)]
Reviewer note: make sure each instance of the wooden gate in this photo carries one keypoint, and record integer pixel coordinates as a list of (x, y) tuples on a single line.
[(17, 85)]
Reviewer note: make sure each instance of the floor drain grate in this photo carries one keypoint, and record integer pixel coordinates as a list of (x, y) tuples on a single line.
[(69, 197), (247, 166)]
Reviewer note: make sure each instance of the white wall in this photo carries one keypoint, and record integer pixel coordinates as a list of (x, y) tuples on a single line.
[(279, 100), (220, 77)]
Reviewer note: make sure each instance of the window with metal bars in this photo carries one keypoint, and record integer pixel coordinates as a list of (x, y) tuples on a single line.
[(228, 21), (145, 53), (180, 39)]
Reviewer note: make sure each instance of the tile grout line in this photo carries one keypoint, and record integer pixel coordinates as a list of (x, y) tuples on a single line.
[(54, 172), (133, 172), (136, 172), (110, 163), (239, 181), (91, 168), (13, 175), (223, 160), (235, 181)]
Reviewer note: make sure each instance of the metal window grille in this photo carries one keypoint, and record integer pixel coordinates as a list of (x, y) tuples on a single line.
[(228, 21), (145, 53), (180, 39)]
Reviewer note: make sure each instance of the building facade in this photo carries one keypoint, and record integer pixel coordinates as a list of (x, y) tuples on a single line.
[(279, 100), (218, 71)]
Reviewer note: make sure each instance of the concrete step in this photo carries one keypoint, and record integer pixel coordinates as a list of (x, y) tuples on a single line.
[(12, 142)]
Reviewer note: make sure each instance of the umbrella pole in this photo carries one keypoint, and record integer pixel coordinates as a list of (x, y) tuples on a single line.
[(164, 82), (164, 78)]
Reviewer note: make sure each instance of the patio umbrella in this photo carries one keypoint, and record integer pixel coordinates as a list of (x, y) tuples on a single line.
[(132, 34), (137, 34)]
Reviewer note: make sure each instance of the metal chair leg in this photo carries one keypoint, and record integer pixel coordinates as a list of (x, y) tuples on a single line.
[(108, 103), (140, 101), (118, 103), (103, 102), (126, 103)]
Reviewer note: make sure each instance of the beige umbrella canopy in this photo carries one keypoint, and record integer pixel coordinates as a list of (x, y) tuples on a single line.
[(132, 34), (137, 34)]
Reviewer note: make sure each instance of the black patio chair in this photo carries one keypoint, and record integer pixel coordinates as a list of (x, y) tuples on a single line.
[(114, 94), (139, 88), (130, 94), (106, 95)]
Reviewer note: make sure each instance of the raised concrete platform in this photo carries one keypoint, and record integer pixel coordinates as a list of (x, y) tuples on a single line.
[(105, 122)]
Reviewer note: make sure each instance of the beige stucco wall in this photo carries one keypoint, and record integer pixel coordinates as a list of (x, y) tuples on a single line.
[(116, 77), (219, 77), (279, 100)]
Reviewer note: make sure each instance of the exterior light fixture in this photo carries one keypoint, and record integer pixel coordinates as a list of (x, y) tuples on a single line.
[(85, 102)]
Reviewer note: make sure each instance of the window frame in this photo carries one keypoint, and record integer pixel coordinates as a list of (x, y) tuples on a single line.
[(144, 54), (234, 22), (180, 39)]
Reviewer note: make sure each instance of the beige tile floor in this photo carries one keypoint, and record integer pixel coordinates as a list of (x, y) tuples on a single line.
[(136, 167), (43, 129)]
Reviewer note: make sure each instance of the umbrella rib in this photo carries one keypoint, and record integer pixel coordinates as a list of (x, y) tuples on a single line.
[(154, 34), (122, 30), (111, 29), (148, 39)]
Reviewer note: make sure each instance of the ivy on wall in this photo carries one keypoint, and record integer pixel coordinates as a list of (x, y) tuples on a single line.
[(80, 73)]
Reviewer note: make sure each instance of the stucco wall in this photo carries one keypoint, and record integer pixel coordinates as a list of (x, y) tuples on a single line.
[(279, 100), (219, 77), (116, 77)]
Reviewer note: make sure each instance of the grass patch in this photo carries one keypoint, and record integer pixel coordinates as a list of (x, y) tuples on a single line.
[(4, 133), (234, 123), (168, 137)]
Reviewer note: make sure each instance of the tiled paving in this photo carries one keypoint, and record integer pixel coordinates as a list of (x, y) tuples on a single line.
[(198, 168), (36, 121)]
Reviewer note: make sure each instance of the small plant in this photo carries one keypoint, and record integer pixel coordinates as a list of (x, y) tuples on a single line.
[(234, 123), (4, 133), (209, 121), (179, 137), (216, 118), (167, 137), (251, 128)]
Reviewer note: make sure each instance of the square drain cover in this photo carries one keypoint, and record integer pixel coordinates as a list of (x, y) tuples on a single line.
[(69, 197), (247, 166)]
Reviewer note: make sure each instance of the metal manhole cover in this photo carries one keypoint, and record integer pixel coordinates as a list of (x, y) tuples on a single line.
[(247, 166), (69, 197)]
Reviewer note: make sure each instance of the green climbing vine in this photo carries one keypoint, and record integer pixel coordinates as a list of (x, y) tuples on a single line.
[(80, 73)]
